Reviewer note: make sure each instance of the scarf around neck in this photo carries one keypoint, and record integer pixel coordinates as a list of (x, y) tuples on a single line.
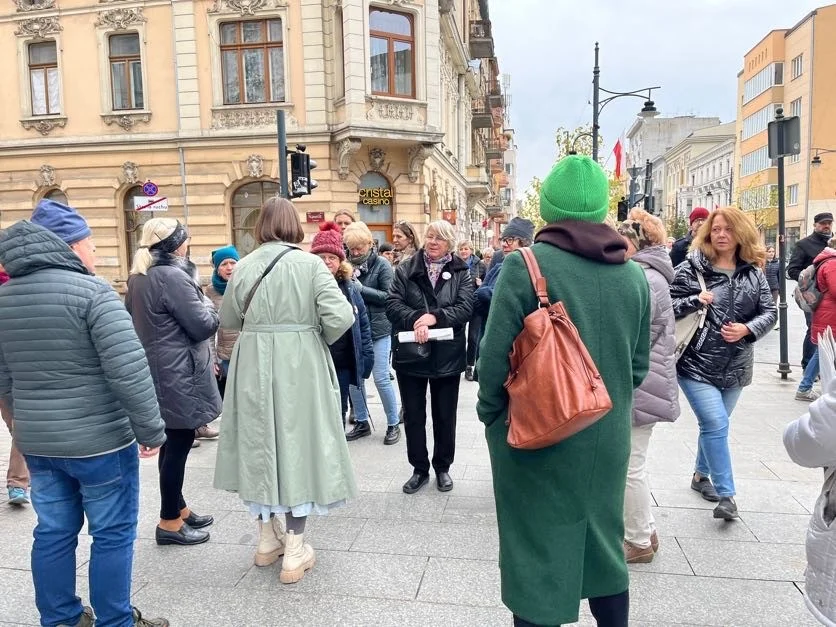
[(218, 283), (434, 268)]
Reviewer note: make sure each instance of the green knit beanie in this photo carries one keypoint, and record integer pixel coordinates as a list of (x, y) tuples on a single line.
[(575, 189)]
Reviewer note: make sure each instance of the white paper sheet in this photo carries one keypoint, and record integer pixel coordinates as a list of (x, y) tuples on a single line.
[(436, 335)]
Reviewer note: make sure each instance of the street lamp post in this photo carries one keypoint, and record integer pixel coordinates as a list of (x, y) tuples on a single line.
[(648, 111)]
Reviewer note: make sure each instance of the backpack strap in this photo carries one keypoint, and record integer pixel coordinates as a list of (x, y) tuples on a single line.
[(538, 281)]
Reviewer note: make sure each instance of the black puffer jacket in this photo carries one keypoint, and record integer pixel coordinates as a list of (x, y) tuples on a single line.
[(376, 279), (451, 302), (745, 298), (773, 273), (174, 322), (804, 252)]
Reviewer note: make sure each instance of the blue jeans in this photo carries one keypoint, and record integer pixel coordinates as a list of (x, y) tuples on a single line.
[(810, 373), (713, 407), (380, 373), (105, 488)]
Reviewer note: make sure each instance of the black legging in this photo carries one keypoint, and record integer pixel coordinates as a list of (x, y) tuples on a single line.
[(611, 611), (172, 465)]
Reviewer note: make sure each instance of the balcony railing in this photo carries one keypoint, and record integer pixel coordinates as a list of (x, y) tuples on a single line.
[(482, 114), (494, 148), (481, 39)]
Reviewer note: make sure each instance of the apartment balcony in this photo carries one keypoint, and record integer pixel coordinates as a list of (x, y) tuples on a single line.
[(482, 114), (495, 148), (481, 39), (497, 117), (502, 179), (494, 93)]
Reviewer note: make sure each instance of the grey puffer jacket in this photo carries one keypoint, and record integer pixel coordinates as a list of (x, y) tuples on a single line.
[(70, 360), (175, 321), (657, 398), (375, 281)]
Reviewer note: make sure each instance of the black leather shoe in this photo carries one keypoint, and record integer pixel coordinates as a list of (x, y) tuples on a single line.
[(393, 434), (196, 521), (726, 509), (443, 481), (185, 536), (705, 488), (415, 483), (361, 430)]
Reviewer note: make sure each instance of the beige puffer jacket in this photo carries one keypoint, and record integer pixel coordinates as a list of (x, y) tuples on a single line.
[(224, 340)]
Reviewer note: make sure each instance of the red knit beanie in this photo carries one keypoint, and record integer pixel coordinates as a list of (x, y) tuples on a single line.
[(699, 213), (328, 240)]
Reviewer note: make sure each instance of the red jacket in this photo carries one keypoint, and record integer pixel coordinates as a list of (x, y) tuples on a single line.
[(825, 314)]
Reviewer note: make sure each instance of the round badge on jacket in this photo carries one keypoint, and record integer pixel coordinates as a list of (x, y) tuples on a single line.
[(446, 276)]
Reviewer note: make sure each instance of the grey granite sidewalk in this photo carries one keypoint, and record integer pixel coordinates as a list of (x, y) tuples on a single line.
[(389, 559)]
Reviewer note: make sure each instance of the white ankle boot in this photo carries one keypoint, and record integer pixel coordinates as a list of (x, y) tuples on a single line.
[(271, 539), (298, 558)]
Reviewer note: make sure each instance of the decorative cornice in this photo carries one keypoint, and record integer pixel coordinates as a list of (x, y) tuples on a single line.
[(38, 27), (246, 7), (120, 19), (418, 154), (348, 147), (126, 120), (44, 125), (224, 118), (46, 176), (24, 6), (130, 172)]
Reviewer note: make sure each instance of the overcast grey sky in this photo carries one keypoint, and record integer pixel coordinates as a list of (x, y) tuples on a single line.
[(692, 48)]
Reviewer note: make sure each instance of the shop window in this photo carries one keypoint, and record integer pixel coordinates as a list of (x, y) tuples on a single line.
[(134, 220), (252, 61), (126, 72), (246, 205), (44, 83), (375, 205), (392, 44)]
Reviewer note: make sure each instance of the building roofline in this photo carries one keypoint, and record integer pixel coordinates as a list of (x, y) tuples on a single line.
[(804, 19), (697, 139), (762, 39)]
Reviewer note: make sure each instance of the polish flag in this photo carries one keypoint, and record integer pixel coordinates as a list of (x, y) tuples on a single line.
[(618, 151)]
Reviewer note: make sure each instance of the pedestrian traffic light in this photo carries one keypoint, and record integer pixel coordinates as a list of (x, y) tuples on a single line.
[(301, 164), (622, 209)]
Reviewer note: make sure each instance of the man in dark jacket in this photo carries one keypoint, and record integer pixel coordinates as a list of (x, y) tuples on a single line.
[(803, 253), (680, 247), (75, 379)]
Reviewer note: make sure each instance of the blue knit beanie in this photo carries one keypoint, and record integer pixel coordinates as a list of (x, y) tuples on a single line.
[(62, 220), (222, 254)]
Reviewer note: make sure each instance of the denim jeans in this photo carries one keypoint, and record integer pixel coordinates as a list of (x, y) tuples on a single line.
[(810, 373), (105, 488), (713, 407), (380, 373)]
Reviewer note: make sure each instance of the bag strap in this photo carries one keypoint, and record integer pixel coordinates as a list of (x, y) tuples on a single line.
[(701, 279), (538, 281), (703, 312), (267, 270)]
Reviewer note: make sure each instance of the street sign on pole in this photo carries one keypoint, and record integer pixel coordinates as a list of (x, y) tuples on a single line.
[(150, 204), (150, 188)]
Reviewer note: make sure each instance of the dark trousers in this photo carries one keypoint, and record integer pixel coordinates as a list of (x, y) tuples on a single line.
[(612, 611), (809, 348), (172, 465), (444, 400), (474, 334), (344, 376)]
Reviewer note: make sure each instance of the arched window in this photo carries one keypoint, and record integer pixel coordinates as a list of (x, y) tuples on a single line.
[(57, 195), (246, 205), (133, 221), (375, 205)]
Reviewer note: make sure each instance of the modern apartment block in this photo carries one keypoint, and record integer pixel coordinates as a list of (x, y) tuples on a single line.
[(102, 97), (790, 69)]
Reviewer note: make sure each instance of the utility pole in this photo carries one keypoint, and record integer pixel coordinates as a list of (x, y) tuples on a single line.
[(282, 137)]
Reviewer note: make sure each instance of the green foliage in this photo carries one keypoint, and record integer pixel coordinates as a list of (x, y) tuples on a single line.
[(677, 226), (530, 206)]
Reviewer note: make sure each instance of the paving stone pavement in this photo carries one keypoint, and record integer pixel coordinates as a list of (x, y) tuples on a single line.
[(388, 559)]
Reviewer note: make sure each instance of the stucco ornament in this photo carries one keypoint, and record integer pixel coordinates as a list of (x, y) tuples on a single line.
[(255, 166), (417, 156), (130, 172), (376, 158), (348, 147), (38, 27), (46, 176), (121, 19)]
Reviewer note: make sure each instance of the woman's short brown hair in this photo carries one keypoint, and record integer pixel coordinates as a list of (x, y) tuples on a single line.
[(278, 222)]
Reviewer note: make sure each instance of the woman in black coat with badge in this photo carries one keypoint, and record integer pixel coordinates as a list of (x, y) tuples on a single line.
[(175, 321), (433, 289)]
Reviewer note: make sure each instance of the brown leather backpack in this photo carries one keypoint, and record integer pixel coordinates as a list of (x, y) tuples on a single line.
[(554, 388)]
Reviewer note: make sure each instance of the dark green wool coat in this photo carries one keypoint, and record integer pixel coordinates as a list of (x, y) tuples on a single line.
[(560, 509)]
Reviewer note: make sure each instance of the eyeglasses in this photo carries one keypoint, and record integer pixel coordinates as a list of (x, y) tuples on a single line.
[(509, 240), (433, 238)]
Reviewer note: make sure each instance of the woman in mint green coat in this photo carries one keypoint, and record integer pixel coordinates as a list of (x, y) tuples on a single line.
[(282, 447), (560, 509)]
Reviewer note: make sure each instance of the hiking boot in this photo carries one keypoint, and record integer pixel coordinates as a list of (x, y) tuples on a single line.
[(148, 622), (206, 433), (806, 395), (87, 618), (636, 554), (298, 558), (18, 496), (361, 430), (271, 539), (705, 488), (468, 373), (726, 509), (393, 434)]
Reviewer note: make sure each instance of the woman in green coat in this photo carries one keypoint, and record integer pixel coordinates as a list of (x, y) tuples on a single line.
[(282, 447), (560, 508)]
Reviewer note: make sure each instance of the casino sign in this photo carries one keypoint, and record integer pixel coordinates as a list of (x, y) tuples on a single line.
[(376, 196)]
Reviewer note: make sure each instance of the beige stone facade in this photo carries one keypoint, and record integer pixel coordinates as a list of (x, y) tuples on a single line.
[(184, 93)]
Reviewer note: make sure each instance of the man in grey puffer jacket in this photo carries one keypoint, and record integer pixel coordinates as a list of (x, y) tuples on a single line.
[(74, 376)]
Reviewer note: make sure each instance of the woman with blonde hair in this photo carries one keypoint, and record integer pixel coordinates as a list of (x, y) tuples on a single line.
[(722, 274), (282, 446), (657, 398), (432, 290), (175, 321)]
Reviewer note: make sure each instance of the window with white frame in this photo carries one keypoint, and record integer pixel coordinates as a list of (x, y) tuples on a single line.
[(755, 161), (125, 72), (795, 107), (770, 76), (44, 81), (759, 121), (797, 68), (792, 194), (252, 62)]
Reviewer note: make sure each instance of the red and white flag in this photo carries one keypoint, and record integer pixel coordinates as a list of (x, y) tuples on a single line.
[(618, 152)]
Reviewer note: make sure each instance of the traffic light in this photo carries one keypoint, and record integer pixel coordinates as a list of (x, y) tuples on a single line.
[(301, 164), (622, 209)]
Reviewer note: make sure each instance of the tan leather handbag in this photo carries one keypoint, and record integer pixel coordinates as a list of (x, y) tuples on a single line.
[(554, 387)]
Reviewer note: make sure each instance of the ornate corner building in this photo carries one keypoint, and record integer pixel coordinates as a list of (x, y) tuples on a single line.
[(403, 95)]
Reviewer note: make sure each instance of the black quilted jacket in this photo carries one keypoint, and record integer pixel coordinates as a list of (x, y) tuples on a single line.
[(745, 298)]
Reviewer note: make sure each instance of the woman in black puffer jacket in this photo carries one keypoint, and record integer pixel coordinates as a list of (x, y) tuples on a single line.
[(174, 321), (718, 363)]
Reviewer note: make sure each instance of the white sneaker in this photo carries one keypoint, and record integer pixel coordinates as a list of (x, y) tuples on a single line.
[(807, 395)]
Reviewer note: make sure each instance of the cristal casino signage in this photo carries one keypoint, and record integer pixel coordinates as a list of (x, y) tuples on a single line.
[(376, 196)]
